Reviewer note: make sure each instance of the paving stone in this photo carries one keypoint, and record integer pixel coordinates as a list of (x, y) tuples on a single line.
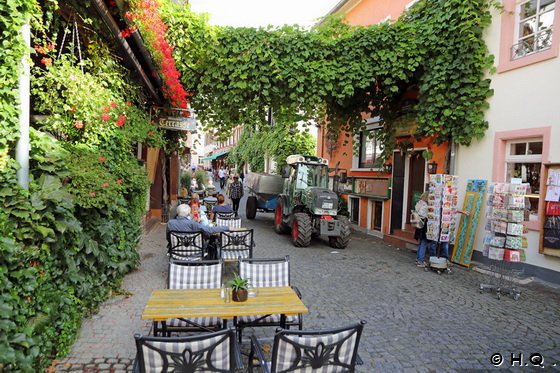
[(416, 320)]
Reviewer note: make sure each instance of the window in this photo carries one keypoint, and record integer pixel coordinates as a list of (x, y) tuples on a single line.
[(534, 27), (523, 163), (354, 210), (370, 149)]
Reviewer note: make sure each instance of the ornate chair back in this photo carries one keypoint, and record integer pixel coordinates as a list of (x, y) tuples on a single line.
[(211, 352), (326, 351), (236, 244), (185, 245)]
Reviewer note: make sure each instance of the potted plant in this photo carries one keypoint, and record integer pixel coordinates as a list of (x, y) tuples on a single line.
[(239, 287)]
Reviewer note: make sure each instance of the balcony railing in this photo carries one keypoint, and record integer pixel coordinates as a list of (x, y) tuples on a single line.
[(532, 44)]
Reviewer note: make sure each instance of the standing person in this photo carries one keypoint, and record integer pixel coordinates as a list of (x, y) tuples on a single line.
[(235, 193), (421, 209), (242, 176), (222, 177)]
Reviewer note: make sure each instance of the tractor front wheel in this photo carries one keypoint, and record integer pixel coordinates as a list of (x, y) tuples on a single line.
[(301, 230), (340, 242)]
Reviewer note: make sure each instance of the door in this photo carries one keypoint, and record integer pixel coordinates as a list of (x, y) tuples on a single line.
[(417, 167), (397, 194)]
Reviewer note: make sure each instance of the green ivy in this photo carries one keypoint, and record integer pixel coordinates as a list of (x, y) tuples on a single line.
[(67, 242), (334, 72)]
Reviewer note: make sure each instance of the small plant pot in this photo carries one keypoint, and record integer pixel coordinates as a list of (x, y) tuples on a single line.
[(239, 295)]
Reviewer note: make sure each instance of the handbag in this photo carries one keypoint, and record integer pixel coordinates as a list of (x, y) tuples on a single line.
[(416, 221)]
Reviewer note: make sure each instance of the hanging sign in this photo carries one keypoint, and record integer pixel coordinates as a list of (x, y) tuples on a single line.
[(175, 119)]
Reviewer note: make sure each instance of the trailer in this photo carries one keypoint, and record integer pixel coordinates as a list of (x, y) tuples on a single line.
[(264, 190)]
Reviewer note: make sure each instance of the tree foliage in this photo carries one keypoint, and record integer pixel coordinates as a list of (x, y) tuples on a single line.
[(277, 143), (335, 72)]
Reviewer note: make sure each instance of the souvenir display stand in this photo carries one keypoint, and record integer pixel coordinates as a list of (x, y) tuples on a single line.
[(550, 218), (442, 208), (505, 243)]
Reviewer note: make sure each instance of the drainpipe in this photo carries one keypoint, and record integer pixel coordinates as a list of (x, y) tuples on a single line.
[(452, 151), (23, 146)]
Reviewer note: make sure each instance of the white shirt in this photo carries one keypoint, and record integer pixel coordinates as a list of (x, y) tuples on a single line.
[(221, 173)]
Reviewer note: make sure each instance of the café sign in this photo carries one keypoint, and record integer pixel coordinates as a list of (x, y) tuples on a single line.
[(175, 119)]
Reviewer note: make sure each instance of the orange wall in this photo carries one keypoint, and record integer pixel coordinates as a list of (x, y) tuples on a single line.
[(369, 12)]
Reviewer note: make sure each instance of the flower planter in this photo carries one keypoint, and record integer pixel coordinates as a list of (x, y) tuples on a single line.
[(239, 295)]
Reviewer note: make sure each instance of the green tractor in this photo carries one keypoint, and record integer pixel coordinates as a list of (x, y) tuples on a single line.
[(307, 206)]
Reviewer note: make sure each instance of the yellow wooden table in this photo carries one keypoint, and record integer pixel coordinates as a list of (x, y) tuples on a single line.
[(191, 303)]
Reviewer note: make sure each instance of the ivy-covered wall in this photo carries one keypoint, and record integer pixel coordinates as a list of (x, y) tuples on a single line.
[(67, 242)]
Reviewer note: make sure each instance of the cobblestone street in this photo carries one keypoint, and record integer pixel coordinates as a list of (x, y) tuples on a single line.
[(417, 321)]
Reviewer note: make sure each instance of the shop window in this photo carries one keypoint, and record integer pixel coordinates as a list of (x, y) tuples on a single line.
[(523, 164), (535, 19)]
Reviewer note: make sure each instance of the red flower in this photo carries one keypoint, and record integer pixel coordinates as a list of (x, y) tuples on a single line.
[(92, 194), (105, 184), (150, 133), (105, 109), (105, 117), (102, 159), (128, 103), (50, 46), (46, 61), (113, 104), (79, 124), (120, 181), (120, 121), (40, 49)]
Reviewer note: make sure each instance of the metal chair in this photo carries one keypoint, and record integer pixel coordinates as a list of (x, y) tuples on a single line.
[(325, 351), (204, 274), (267, 273), (185, 245), (236, 244), (211, 352), (225, 215), (229, 222)]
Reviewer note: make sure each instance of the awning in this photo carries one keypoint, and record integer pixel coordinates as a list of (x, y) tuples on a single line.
[(214, 156)]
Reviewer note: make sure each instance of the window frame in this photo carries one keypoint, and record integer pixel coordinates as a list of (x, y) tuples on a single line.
[(509, 33), (372, 124), (501, 141)]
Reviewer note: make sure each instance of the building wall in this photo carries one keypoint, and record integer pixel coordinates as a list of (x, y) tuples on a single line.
[(526, 101)]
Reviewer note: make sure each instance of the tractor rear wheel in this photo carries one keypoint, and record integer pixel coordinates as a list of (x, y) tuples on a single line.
[(251, 207), (301, 230), (279, 226), (340, 242)]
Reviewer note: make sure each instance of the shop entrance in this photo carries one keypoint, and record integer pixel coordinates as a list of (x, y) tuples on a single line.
[(408, 184)]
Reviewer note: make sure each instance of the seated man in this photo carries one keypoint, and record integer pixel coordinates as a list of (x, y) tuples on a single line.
[(220, 207), (184, 223)]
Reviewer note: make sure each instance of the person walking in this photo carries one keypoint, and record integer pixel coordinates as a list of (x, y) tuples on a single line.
[(421, 209), (235, 193), (222, 177)]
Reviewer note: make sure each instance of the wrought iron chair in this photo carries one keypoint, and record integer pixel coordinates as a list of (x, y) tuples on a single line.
[(211, 352), (204, 274), (225, 215), (229, 222), (236, 244), (267, 273), (325, 351), (185, 245)]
